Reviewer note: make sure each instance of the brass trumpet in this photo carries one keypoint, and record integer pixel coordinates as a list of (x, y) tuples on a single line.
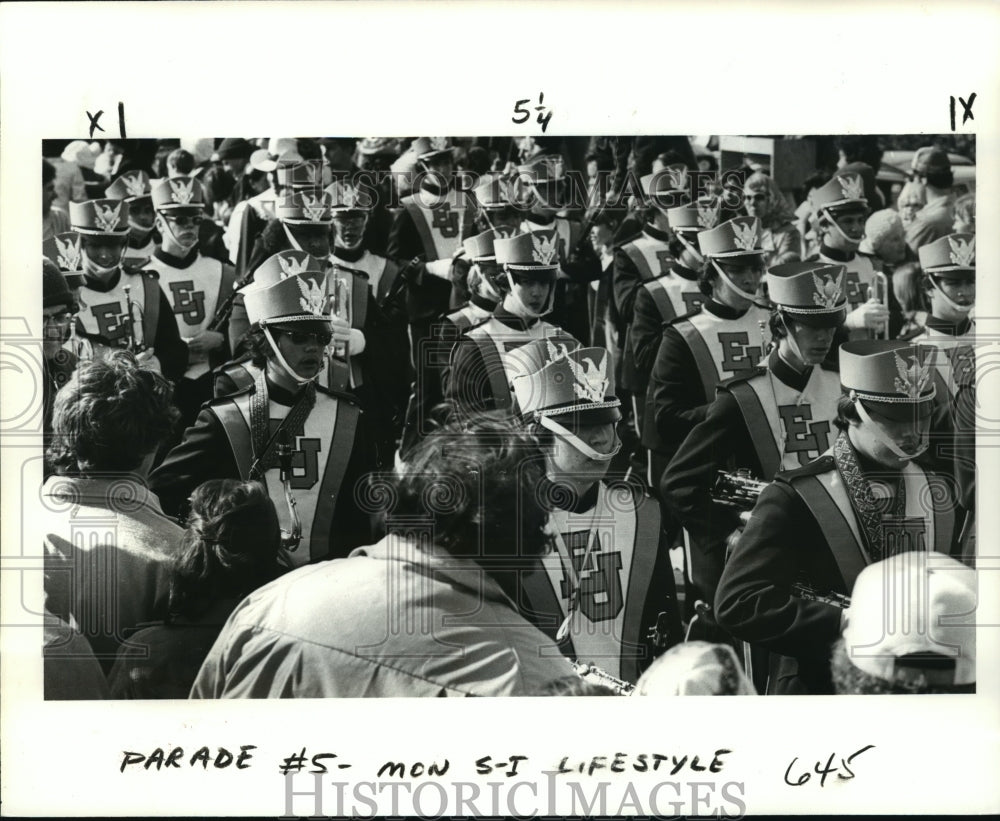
[(881, 285), (593, 673)]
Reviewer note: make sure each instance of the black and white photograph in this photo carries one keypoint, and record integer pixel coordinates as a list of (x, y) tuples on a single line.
[(570, 410)]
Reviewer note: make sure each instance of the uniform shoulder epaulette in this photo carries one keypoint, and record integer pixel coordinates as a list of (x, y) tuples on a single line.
[(743, 377), (681, 318), (238, 391), (823, 464), (475, 325), (138, 266)]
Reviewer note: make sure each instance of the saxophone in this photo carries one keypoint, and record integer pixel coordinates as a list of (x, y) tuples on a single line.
[(594, 674), (289, 539), (132, 342)]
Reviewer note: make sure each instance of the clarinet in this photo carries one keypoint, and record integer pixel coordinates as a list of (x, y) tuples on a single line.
[(131, 342), (592, 671), (289, 539)]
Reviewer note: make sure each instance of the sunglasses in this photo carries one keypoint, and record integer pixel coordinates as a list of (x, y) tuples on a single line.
[(323, 338), (61, 318)]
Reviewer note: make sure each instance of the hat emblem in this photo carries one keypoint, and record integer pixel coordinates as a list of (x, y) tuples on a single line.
[(708, 215), (851, 187), (314, 207), (828, 290), (962, 252), (106, 216), (69, 254), (557, 352), (182, 192), (312, 296), (911, 380), (291, 267), (745, 236), (309, 172), (544, 249), (134, 186), (348, 196), (591, 381), (677, 178)]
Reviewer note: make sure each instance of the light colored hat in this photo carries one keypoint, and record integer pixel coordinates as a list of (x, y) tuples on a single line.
[(305, 208), (130, 187), (842, 190), (286, 264), (694, 217), (578, 383), (64, 250), (299, 174), (175, 193), (81, 153), (480, 246), (912, 620), (811, 291), (426, 148), (894, 376), (736, 238), (347, 197), (492, 193), (293, 299), (695, 668), (955, 252), (99, 217), (532, 251), (667, 188), (278, 148)]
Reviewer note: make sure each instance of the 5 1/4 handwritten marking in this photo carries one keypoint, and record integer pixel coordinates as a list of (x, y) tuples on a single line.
[(827, 770), (525, 115)]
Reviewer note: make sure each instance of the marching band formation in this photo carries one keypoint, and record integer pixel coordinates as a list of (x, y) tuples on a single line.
[(384, 417)]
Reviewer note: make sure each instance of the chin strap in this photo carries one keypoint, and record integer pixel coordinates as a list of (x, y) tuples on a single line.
[(691, 249), (884, 437), (291, 238), (101, 270), (522, 309), (854, 242), (170, 230), (753, 298), (578, 443), (140, 229), (962, 309), (301, 380)]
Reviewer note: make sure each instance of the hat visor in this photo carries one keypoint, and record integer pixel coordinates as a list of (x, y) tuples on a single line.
[(901, 411), (544, 273), (968, 271), (97, 232), (187, 208), (756, 252), (815, 319), (587, 416), (298, 322)]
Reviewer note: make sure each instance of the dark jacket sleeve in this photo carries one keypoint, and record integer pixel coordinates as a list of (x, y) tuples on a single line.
[(627, 282), (404, 240), (170, 349), (203, 454), (754, 600), (675, 393), (719, 441), (466, 381), (644, 334)]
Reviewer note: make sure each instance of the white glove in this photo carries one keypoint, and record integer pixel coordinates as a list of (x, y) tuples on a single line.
[(872, 316), (357, 342), (440, 268)]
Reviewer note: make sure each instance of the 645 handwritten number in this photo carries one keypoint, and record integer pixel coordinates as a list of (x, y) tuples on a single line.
[(825, 771)]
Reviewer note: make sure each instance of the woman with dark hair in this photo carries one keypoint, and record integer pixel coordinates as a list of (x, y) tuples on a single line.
[(229, 549)]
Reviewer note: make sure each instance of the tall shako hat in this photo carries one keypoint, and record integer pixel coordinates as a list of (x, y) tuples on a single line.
[(668, 187), (285, 264), (346, 197), (103, 217), (567, 386), (279, 150), (295, 299), (842, 192), (428, 148), (912, 620), (480, 247), (955, 253), (738, 237), (892, 377), (811, 292), (129, 187), (299, 174), (545, 168), (310, 207), (492, 194), (695, 217), (178, 193), (532, 252), (64, 250)]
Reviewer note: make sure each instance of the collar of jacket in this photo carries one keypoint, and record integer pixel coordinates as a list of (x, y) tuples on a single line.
[(119, 492), (349, 254), (512, 320), (786, 373), (176, 262), (722, 311), (100, 285), (836, 254), (684, 272), (943, 326), (653, 232)]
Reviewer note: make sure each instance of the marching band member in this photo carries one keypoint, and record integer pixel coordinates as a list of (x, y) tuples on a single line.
[(778, 417), (121, 308), (864, 500), (607, 589), (476, 379), (134, 188), (308, 445), (195, 286)]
